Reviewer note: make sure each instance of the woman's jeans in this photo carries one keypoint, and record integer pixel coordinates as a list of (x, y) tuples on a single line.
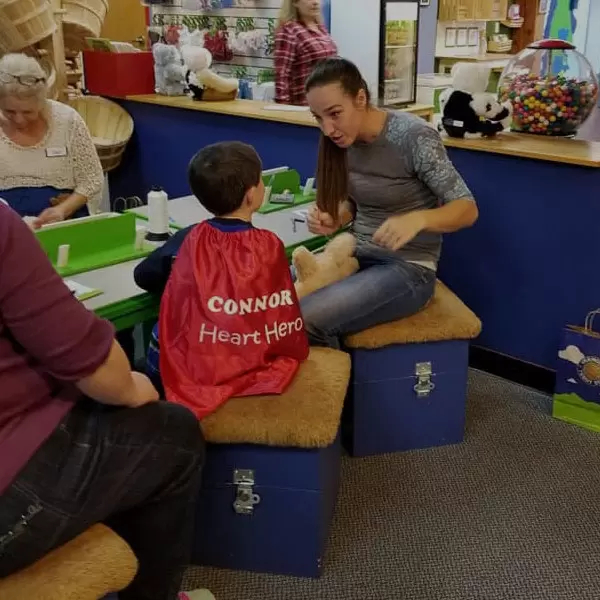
[(135, 469), (30, 202), (384, 289)]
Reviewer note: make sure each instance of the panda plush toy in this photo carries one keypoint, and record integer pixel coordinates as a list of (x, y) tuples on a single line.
[(467, 109)]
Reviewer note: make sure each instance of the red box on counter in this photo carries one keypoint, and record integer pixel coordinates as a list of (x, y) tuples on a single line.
[(118, 74)]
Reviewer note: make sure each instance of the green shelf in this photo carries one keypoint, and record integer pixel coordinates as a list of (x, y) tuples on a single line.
[(94, 242), (280, 182)]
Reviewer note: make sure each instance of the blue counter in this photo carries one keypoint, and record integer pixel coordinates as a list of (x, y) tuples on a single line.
[(165, 138), (528, 266)]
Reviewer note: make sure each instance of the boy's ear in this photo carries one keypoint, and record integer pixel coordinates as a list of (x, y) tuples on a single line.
[(249, 197)]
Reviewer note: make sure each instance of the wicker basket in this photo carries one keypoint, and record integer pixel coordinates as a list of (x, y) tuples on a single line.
[(82, 18), (499, 47), (24, 23), (110, 125)]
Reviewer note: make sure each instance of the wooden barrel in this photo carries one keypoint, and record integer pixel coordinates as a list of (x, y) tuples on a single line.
[(24, 23), (82, 18), (110, 126)]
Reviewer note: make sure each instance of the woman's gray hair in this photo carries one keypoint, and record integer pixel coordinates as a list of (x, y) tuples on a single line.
[(21, 65)]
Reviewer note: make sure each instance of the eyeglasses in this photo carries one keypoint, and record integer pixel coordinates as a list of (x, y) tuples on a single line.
[(26, 80)]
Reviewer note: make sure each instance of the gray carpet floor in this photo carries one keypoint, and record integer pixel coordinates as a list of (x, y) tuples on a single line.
[(512, 513)]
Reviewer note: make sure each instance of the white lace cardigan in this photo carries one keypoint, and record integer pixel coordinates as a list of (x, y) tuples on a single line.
[(65, 159)]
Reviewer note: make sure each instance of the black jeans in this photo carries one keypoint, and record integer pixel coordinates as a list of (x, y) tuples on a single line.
[(137, 470)]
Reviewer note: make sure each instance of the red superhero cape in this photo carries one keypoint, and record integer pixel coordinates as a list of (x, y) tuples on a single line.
[(230, 323)]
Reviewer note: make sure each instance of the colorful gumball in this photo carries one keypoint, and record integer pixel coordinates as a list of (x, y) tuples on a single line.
[(553, 89)]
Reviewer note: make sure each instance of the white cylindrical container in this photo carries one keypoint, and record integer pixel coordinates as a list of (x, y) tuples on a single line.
[(140, 236), (62, 260), (158, 215)]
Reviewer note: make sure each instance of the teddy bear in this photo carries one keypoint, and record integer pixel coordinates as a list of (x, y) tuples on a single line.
[(467, 109), (203, 83), (334, 263), (169, 72), (191, 38), (249, 43)]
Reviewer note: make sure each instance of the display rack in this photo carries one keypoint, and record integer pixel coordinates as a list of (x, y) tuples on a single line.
[(54, 48), (244, 29), (387, 53), (38, 27)]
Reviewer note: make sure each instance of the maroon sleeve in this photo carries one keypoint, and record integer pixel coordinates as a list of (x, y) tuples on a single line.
[(39, 310)]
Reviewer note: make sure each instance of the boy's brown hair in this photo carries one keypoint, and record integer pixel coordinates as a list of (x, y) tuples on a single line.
[(221, 174)]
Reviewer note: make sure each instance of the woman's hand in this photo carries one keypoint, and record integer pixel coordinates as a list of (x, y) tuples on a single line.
[(321, 223), (54, 214), (399, 230), (144, 391)]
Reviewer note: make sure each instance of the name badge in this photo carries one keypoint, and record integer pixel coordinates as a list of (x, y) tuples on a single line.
[(56, 152)]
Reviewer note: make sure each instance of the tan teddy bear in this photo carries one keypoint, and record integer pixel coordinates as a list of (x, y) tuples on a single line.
[(334, 263)]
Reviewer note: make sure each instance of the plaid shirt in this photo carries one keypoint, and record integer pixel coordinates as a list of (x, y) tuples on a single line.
[(297, 50)]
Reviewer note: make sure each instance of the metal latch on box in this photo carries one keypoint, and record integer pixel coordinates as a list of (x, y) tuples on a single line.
[(245, 498), (424, 385)]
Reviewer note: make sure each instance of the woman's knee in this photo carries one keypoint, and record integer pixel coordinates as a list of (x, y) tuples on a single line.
[(179, 428), (186, 427), (319, 322)]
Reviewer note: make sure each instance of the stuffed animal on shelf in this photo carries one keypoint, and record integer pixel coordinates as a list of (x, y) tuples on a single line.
[(467, 109), (169, 72), (334, 263), (203, 83), (191, 38), (249, 43)]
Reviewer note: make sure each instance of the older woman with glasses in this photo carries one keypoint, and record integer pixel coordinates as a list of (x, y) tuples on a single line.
[(50, 170)]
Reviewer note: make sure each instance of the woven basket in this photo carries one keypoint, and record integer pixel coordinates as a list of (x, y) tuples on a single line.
[(499, 47), (110, 125), (82, 18), (24, 23)]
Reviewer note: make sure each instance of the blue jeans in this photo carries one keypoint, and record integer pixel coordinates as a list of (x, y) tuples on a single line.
[(136, 469), (30, 202), (384, 289)]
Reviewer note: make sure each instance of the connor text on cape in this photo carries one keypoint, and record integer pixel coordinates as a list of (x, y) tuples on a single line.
[(271, 333)]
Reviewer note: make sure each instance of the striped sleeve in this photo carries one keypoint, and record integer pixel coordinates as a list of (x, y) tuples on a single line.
[(285, 52)]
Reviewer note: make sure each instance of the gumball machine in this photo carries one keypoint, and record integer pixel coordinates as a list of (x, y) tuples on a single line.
[(552, 87)]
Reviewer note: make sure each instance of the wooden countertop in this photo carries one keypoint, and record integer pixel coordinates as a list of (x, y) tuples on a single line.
[(489, 57), (576, 152), (561, 150), (251, 109)]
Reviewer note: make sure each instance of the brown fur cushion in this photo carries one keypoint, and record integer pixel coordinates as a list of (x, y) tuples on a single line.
[(306, 415), (89, 567), (444, 318)]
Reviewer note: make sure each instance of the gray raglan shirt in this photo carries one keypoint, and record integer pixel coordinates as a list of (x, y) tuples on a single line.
[(405, 168)]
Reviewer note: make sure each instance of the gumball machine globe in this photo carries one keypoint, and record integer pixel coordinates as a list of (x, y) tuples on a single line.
[(552, 87)]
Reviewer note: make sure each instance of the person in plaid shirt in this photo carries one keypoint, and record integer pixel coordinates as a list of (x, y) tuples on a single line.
[(301, 41)]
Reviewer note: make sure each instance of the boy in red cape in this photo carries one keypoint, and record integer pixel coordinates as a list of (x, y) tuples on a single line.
[(230, 323)]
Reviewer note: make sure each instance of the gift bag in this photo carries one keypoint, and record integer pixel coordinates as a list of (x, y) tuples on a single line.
[(230, 323), (577, 390)]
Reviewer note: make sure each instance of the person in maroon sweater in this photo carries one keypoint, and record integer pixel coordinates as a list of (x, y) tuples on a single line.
[(82, 437)]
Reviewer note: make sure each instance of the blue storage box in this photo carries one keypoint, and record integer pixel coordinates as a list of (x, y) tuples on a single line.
[(272, 474), (408, 387), (267, 509)]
